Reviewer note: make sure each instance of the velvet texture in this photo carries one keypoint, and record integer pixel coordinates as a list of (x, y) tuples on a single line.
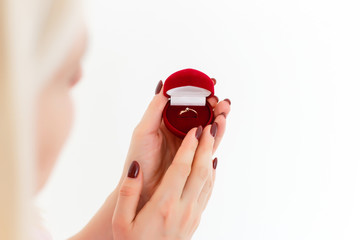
[(189, 77), (178, 124)]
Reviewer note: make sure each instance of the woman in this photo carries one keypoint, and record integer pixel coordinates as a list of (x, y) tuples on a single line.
[(166, 182)]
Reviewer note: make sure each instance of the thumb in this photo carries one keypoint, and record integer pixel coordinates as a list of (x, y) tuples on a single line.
[(129, 195), (153, 115)]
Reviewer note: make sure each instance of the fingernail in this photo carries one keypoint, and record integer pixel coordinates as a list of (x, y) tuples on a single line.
[(158, 87), (213, 129), (215, 163), (228, 100), (134, 169), (214, 80), (217, 99), (198, 132), (223, 114)]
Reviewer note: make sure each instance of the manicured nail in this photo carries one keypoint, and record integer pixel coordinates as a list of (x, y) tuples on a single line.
[(223, 114), (213, 129), (198, 132), (217, 99), (134, 169), (158, 87), (228, 100), (215, 163), (214, 80)]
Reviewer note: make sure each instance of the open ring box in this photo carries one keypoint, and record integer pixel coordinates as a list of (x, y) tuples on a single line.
[(187, 107)]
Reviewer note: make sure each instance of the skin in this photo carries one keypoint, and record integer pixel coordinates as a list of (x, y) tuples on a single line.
[(176, 177), (55, 111)]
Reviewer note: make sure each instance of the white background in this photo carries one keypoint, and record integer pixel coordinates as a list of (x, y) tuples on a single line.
[(289, 164)]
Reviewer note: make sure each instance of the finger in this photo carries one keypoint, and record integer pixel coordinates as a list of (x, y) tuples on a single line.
[(214, 80), (222, 107), (202, 165), (213, 101), (208, 187), (205, 195), (221, 111), (221, 122), (129, 195), (175, 177), (152, 117)]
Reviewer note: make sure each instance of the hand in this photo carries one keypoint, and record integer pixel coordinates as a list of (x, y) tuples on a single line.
[(175, 208), (154, 146)]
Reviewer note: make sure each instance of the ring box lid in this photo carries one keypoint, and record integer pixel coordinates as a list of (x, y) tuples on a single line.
[(188, 87)]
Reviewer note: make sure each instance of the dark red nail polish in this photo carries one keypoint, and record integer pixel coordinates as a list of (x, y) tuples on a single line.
[(134, 169), (198, 132), (213, 129), (158, 87), (217, 99), (228, 100), (214, 80), (215, 163)]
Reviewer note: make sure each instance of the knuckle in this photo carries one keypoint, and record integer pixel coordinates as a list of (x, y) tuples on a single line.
[(118, 226), (126, 191), (167, 207), (203, 172), (188, 213), (211, 184), (208, 186), (182, 169)]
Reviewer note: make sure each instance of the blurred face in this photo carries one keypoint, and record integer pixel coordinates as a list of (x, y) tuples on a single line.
[(55, 111)]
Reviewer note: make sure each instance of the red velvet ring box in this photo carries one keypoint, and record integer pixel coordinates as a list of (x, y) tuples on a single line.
[(187, 107)]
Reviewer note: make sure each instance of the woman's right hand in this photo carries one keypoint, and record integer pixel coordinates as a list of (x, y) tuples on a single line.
[(175, 208)]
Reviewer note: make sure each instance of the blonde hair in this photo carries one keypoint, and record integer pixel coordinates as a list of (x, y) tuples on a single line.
[(34, 38)]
